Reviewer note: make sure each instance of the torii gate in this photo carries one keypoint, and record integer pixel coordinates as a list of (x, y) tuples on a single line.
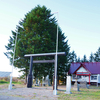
[(29, 85)]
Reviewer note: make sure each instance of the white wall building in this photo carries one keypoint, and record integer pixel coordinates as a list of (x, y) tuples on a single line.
[(89, 72)]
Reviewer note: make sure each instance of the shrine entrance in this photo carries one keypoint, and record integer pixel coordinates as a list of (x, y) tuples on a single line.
[(29, 85), (84, 75)]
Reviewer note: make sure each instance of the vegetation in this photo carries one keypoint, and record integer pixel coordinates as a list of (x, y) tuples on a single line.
[(84, 59), (92, 58), (83, 94), (97, 55), (7, 82), (4, 82), (15, 80), (73, 57), (36, 33)]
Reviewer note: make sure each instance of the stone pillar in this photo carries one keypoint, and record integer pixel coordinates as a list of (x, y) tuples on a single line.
[(68, 85)]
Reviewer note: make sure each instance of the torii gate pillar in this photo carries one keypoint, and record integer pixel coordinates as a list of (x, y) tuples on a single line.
[(30, 76), (29, 85)]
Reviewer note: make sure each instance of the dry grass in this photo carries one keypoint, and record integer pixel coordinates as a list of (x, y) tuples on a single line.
[(14, 79), (5, 86)]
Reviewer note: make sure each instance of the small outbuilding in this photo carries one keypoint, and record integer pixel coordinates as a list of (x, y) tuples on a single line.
[(88, 71)]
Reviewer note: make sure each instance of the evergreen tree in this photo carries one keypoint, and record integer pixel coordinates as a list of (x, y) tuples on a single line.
[(84, 59), (97, 55), (36, 33), (91, 58), (78, 60), (73, 57)]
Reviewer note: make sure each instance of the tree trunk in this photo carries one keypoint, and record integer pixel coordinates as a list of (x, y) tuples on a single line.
[(51, 80), (58, 80), (25, 79), (26, 75)]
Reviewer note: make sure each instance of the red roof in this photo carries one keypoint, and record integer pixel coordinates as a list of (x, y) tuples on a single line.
[(92, 67)]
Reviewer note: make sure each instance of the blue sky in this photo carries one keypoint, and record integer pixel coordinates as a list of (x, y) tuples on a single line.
[(78, 19)]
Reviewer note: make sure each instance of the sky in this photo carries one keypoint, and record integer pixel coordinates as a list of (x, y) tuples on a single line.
[(78, 19)]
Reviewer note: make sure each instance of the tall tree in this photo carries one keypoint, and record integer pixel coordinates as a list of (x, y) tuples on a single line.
[(78, 60), (36, 33), (73, 57), (91, 59), (97, 55), (63, 61), (84, 59)]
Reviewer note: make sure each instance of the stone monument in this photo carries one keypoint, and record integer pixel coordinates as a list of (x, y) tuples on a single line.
[(46, 81), (36, 83), (76, 86), (68, 84), (83, 84)]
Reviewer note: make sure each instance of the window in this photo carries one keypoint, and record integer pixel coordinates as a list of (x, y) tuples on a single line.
[(82, 73), (85, 73), (79, 73), (93, 77)]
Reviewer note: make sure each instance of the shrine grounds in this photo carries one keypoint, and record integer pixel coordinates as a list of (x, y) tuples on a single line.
[(21, 92)]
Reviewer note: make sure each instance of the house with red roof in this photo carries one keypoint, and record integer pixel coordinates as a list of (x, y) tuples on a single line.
[(89, 71)]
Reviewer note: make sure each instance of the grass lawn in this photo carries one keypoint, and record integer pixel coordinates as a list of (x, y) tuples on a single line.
[(3, 82), (6, 82), (93, 93)]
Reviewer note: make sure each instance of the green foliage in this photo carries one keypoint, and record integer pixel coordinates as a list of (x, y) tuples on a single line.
[(84, 59), (36, 33), (7, 82), (4, 82), (97, 55), (16, 82), (73, 57), (83, 94), (78, 60), (91, 58)]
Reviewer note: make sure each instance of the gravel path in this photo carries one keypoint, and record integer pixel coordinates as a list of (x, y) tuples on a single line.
[(36, 93)]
